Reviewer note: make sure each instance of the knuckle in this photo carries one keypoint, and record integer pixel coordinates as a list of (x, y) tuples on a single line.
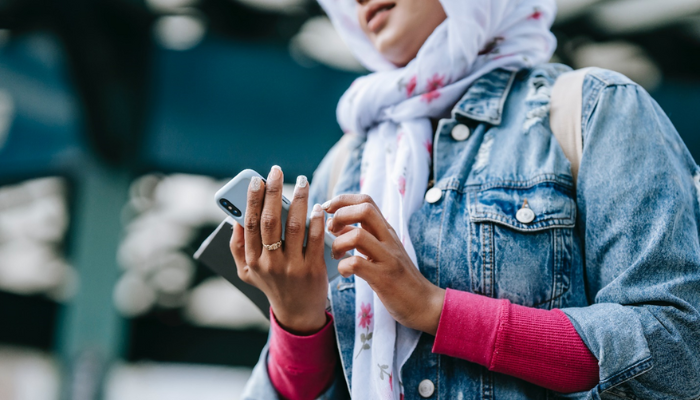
[(273, 189), (251, 261), (275, 270), (294, 226), (254, 201), (366, 209), (251, 222), (301, 194), (315, 234), (365, 198), (268, 221), (356, 235), (243, 275), (354, 263)]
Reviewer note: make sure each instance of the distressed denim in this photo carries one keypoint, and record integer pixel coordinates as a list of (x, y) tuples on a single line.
[(618, 252)]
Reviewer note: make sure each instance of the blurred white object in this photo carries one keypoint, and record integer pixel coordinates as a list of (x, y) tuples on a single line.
[(30, 268), (33, 224), (632, 16), (132, 296), (151, 381), (148, 238), (179, 32), (170, 5), (7, 110), (34, 210), (284, 6), (142, 191), (28, 375), (188, 199), (319, 41), (217, 303), (624, 57), (175, 273)]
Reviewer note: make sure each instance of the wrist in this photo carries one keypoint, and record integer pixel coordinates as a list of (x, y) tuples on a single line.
[(435, 304), (300, 324)]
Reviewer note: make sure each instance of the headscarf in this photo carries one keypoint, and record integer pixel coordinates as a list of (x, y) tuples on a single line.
[(392, 108)]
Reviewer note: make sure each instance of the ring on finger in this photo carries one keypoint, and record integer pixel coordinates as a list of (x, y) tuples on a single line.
[(273, 246)]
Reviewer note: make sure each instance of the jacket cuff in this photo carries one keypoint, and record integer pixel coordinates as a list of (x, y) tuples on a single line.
[(300, 354), (468, 326)]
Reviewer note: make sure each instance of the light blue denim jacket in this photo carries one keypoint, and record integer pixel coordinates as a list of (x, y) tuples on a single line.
[(620, 254)]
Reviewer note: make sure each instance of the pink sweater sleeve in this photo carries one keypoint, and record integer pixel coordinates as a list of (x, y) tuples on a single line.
[(301, 367), (538, 346)]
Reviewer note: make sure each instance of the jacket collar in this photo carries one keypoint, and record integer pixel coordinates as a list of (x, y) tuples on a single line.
[(485, 98)]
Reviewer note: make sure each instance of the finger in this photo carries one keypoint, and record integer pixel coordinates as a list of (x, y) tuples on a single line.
[(356, 265), (344, 200), (360, 240), (366, 214), (237, 245), (271, 216), (253, 241), (296, 220), (344, 230), (315, 237)]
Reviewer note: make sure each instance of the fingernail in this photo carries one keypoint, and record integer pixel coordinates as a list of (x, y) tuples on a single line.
[(302, 182), (326, 205), (328, 224), (275, 172), (255, 183), (317, 211)]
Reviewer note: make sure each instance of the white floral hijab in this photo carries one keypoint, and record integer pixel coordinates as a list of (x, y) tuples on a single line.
[(392, 108)]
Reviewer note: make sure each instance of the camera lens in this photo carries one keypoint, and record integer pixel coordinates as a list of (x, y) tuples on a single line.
[(230, 207)]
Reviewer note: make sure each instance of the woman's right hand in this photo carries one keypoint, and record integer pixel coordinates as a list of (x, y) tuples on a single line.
[(293, 278)]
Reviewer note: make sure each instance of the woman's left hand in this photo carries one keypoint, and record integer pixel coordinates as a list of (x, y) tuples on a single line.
[(408, 296)]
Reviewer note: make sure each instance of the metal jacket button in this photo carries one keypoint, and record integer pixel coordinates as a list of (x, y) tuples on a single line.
[(460, 132), (433, 195), (525, 215), (426, 388)]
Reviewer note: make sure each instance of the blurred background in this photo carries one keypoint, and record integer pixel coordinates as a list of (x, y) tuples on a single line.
[(119, 119)]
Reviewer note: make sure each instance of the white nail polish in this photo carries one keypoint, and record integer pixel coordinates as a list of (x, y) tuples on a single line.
[(326, 205), (275, 171), (255, 183), (317, 211), (302, 182)]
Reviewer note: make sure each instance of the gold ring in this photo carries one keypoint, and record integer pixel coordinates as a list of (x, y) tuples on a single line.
[(273, 246)]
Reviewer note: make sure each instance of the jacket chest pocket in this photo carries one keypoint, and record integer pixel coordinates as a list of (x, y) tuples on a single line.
[(522, 237)]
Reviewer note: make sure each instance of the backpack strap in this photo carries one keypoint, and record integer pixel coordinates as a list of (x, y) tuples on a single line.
[(565, 116)]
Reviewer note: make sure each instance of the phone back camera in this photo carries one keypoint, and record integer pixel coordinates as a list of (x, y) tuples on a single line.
[(231, 208)]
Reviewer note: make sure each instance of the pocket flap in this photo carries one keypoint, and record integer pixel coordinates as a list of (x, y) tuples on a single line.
[(551, 203)]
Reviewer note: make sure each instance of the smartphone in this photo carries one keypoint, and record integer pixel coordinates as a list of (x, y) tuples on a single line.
[(233, 198)]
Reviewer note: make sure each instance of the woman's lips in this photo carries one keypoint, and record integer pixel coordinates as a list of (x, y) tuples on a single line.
[(377, 15)]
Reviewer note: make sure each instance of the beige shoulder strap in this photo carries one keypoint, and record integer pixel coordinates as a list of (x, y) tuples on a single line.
[(341, 158), (565, 116)]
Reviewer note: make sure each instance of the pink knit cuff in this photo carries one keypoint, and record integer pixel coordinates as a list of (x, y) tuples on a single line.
[(539, 346), (468, 326), (301, 367)]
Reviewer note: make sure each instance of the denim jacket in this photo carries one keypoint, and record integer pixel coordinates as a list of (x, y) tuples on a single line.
[(618, 252)]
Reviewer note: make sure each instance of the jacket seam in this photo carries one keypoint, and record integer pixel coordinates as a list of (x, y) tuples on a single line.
[(337, 341), (509, 184), (627, 374)]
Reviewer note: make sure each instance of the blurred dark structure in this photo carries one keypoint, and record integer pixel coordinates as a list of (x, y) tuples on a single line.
[(98, 101)]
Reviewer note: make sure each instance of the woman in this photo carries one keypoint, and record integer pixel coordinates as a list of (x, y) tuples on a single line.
[(481, 268)]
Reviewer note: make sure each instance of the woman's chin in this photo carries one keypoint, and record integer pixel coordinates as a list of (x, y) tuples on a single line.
[(395, 50)]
